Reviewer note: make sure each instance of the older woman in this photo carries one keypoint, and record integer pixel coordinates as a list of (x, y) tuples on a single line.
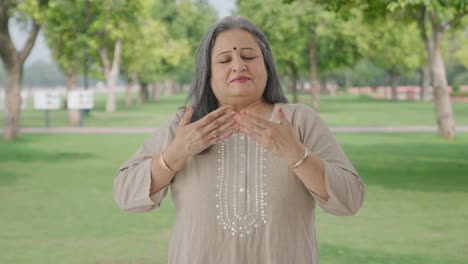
[(246, 169)]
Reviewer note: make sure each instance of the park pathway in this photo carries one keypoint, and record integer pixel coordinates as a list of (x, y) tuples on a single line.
[(145, 130)]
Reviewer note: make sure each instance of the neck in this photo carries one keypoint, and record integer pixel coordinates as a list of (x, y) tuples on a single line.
[(257, 107), (254, 106)]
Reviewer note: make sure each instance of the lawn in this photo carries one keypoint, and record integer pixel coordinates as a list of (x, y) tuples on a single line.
[(57, 204), (344, 110)]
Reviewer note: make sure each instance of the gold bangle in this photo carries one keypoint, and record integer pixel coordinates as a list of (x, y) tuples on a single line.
[(164, 165), (297, 164)]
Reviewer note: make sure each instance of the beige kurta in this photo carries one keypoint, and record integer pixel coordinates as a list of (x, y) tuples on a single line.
[(239, 203)]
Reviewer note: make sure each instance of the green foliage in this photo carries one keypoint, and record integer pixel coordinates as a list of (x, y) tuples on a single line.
[(66, 33), (395, 46), (164, 42), (187, 21), (292, 27), (34, 9)]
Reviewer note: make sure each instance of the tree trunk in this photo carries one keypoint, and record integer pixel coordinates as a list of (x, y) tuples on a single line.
[(177, 87), (11, 116), (294, 77), (156, 91), (13, 61), (73, 114), (443, 105), (424, 82), (347, 82), (293, 88), (111, 71), (129, 91), (144, 93), (314, 82), (168, 86), (394, 80), (128, 95), (323, 86)]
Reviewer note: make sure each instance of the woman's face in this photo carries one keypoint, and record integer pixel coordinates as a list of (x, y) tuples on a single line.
[(238, 72)]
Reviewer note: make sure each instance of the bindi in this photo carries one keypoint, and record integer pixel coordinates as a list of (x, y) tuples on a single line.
[(235, 48)]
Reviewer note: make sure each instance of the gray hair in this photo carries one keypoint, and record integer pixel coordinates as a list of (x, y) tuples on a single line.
[(201, 95)]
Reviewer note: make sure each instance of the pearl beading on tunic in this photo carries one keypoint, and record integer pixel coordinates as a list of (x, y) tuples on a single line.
[(241, 186)]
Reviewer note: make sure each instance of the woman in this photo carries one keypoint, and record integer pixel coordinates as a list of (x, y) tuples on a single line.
[(245, 169)]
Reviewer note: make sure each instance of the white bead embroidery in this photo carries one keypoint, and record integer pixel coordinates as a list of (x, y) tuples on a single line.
[(241, 209)]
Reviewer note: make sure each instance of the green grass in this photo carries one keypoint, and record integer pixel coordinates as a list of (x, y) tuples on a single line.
[(56, 203), (342, 110)]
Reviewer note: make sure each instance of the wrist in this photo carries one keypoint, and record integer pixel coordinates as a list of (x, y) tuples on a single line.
[(301, 160), (295, 154), (173, 159)]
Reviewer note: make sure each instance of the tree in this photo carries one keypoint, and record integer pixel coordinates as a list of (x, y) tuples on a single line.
[(65, 31), (305, 30), (29, 12), (187, 21), (110, 21), (395, 47), (289, 55), (434, 17)]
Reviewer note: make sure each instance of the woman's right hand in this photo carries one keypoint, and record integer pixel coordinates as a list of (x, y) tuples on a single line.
[(192, 138)]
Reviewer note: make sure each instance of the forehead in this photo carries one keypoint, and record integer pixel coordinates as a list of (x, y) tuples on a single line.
[(235, 38)]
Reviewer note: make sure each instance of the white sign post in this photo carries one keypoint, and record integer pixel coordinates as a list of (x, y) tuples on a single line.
[(47, 100), (80, 100)]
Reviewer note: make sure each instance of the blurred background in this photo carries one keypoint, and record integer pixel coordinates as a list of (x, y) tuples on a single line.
[(84, 82)]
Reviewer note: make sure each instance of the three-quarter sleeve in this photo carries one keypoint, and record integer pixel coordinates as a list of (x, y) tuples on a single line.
[(345, 187), (133, 179)]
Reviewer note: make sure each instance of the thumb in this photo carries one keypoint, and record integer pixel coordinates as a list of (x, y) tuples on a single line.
[(282, 117), (186, 117)]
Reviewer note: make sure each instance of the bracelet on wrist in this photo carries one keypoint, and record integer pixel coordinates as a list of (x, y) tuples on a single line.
[(299, 162), (164, 165)]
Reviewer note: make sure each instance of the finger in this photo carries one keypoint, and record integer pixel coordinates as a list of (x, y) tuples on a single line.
[(256, 135), (222, 137), (206, 120), (222, 129), (217, 133), (251, 124), (282, 117), (222, 120), (186, 117), (255, 120)]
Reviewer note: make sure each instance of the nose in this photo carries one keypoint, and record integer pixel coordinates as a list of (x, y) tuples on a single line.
[(239, 64)]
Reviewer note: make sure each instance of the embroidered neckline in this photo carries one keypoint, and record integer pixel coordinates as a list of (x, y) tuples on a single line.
[(241, 197)]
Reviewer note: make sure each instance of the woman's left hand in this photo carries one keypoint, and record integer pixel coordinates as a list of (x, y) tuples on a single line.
[(278, 138)]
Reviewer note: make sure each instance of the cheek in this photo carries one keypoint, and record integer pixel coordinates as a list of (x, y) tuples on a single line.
[(263, 76), (218, 76)]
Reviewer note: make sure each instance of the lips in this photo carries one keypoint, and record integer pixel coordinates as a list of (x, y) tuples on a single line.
[(241, 79)]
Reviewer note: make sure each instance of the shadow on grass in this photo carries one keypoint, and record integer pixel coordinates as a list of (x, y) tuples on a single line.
[(19, 154), (333, 254), (7, 177)]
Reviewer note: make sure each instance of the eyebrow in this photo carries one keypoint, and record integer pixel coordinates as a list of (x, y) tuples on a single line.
[(227, 51)]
